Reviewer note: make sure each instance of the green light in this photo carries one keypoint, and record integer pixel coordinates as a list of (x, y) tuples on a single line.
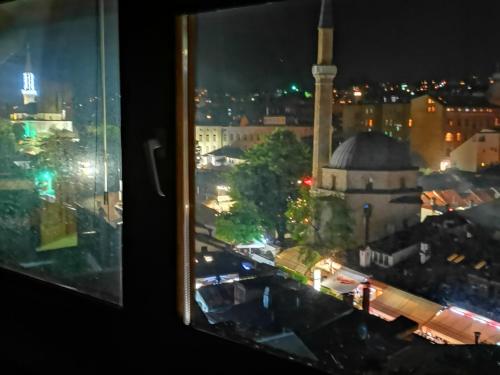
[(307, 94), (29, 130), (294, 87), (44, 181)]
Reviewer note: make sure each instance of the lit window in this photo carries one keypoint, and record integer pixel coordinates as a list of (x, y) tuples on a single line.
[(448, 137), (410, 123), (370, 122), (450, 122), (459, 137)]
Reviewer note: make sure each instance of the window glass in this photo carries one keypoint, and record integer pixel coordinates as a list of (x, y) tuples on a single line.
[(329, 240), (60, 163)]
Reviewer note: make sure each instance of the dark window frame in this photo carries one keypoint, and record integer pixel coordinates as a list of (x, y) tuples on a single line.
[(47, 323)]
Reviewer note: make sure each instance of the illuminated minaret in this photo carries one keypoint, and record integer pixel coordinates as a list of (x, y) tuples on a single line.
[(28, 91), (324, 73)]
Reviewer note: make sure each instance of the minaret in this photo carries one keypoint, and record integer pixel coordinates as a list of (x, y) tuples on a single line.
[(324, 73), (28, 91)]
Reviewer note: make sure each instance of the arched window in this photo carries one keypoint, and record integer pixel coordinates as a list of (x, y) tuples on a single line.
[(448, 137)]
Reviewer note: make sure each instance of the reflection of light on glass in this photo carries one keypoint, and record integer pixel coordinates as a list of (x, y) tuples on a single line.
[(88, 169), (208, 258)]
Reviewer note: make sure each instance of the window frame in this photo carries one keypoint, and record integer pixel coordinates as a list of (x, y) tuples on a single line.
[(150, 313)]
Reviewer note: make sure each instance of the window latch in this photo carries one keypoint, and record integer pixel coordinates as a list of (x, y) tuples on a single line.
[(151, 146)]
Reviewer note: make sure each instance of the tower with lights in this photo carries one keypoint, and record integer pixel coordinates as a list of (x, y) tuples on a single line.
[(29, 92), (324, 73)]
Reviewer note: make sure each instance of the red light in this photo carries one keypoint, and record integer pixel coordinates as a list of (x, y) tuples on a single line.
[(307, 181)]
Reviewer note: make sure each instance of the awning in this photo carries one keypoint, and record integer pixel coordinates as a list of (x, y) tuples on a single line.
[(343, 280)]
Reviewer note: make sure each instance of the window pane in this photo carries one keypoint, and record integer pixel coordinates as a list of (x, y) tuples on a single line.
[(344, 225), (60, 162)]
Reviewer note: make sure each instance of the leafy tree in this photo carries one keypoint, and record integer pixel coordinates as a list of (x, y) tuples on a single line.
[(309, 256), (299, 216), (323, 223), (241, 225), (269, 177), (7, 143), (59, 155)]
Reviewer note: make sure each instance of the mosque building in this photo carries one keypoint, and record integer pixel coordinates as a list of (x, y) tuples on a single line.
[(371, 171)]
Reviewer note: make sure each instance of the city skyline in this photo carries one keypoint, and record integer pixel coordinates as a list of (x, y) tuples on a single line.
[(274, 44)]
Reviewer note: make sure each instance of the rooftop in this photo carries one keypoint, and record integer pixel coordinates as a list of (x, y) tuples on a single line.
[(371, 151)]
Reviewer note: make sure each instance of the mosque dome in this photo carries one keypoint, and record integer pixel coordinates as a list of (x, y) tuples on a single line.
[(371, 151)]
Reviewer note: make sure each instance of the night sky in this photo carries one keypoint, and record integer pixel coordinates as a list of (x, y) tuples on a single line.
[(269, 46), (63, 39)]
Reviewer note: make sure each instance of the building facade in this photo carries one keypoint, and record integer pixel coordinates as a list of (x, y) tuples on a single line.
[(434, 126), (438, 127), (211, 138), (479, 151), (389, 118), (373, 173)]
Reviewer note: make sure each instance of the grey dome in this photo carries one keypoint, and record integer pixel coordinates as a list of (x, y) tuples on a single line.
[(372, 151)]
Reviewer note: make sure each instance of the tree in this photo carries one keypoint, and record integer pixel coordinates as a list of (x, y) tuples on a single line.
[(322, 223), (58, 161), (268, 178), (7, 144), (241, 225)]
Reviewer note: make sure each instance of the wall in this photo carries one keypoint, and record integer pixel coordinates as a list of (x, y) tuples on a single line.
[(356, 118), (240, 136), (465, 156), (404, 253), (426, 133), (386, 218), (394, 121), (382, 180), (481, 148)]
